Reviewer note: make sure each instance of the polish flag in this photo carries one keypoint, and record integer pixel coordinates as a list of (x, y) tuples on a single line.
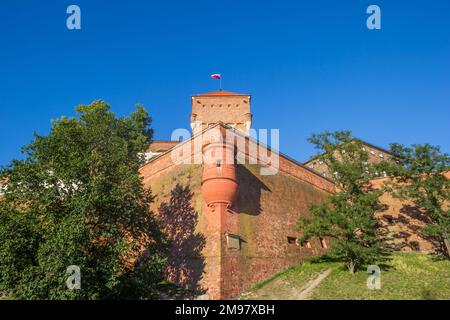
[(216, 76)]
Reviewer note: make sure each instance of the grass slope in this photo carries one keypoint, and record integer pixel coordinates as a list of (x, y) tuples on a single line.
[(406, 276)]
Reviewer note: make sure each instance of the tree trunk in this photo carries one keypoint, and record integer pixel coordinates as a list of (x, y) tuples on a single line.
[(447, 246), (351, 267)]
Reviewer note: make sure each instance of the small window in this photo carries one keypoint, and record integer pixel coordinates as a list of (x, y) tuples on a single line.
[(323, 243), (218, 163), (291, 240), (233, 241)]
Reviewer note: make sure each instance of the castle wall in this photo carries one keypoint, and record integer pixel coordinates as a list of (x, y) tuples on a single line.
[(267, 210), (263, 215), (400, 223), (375, 156)]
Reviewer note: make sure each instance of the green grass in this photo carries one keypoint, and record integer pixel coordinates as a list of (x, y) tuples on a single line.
[(285, 284), (407, 276)]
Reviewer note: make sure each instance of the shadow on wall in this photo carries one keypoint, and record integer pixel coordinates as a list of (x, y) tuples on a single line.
[(407, 225), (249, 192), (179, 218), (413, 216)]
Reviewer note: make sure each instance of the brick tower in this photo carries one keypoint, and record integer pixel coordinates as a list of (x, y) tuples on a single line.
[(219, 190), (228, 107), (219, 183)]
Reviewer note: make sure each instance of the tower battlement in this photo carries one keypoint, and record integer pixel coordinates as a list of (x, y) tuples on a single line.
[(229, 107)]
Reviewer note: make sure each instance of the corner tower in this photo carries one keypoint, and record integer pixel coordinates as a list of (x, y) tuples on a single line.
[(229, 107)]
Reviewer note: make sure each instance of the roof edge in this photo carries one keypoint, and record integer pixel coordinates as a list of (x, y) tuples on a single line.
[(360, 140), (220, 123)]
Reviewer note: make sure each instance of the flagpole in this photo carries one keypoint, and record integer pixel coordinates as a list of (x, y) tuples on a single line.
[(218, 76)]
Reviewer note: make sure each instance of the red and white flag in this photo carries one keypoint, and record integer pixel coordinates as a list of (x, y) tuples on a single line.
[(216, 76)]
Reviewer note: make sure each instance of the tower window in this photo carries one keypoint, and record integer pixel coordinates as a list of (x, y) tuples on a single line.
[(291, 240), (218, 163), (233, 241)]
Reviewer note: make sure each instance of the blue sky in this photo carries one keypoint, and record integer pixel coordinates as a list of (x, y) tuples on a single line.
[(310, 65)]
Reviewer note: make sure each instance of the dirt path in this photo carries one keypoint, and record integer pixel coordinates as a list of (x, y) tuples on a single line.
[(285, 289), (305, 292)]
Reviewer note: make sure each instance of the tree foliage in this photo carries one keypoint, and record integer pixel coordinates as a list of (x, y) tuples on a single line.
[(77, 199), (421, 179), (347, 217)]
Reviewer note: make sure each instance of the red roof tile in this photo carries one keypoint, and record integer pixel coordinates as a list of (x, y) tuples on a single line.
[(219, 93)]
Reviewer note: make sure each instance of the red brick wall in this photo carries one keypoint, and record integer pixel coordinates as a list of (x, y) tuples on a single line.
[(268, 208), (161, 146), (233, 110), (401, 222), (263, 215), (375, 156)]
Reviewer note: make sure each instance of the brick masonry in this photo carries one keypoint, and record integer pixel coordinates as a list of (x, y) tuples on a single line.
[(263, 215), (263, 210)]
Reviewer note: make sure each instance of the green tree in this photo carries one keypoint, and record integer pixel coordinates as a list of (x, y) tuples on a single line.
[(77, 199), (347, 217), (421, 179)]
